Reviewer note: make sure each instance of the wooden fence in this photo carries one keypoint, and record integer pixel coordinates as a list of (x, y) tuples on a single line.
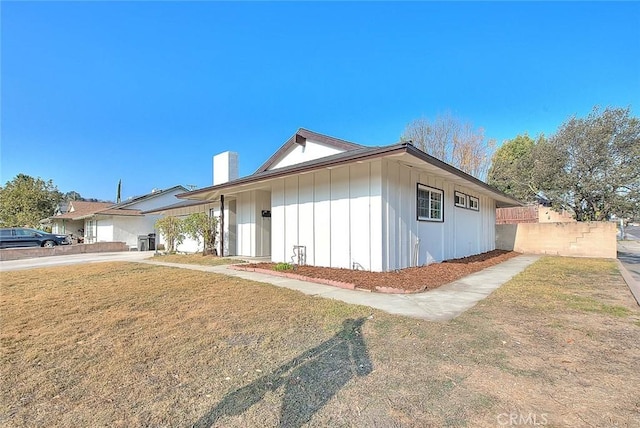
[(517, 215)]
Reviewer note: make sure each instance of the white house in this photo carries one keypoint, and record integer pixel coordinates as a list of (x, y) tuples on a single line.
[(108, 222), (334, 203)]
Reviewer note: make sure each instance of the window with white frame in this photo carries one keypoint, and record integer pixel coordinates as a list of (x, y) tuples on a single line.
[(460, 199), (430, 203), (474, 204), (90, 229)]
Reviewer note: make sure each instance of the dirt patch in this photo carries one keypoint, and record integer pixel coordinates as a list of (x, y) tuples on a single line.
[(410, 280)]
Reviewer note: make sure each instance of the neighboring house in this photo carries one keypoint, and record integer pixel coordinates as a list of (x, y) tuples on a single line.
[(334, 203), (69, 217), (108, 222)]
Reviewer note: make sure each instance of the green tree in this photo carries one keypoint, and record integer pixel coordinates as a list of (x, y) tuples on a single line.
[(25, 200), (202, 228), (72, 196), (172, 229), (512, 168), (592, 165), (452, 140)]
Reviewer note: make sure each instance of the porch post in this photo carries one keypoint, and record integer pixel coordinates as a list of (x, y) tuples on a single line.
[(221, 226)]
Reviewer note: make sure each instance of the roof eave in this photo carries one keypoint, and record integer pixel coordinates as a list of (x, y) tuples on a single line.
[(499, 196), (502, 199), (296, 169)]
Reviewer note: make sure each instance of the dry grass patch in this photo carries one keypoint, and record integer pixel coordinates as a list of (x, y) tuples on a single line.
[(195, 259), (138, 345)]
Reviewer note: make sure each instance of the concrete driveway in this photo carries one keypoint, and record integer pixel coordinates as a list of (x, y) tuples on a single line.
[(74, 259), (629, 259)]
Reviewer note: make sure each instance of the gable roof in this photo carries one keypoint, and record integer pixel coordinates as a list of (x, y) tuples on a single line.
[(77, 209), (151, 195), (359, 154), (82, 209), (300, 137)]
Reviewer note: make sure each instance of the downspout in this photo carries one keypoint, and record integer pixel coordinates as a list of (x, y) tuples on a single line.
[(221, 226)]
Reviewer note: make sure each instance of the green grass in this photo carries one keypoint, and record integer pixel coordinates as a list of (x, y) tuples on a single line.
[(563, 282), (589, 304)]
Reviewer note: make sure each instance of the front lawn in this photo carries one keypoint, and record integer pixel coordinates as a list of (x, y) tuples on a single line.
[(195, 259), (119, 344)]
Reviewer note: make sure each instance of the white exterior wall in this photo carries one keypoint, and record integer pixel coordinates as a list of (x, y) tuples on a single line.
[(309, 151), (463, 232), (189, 245), (104, 230), (253, 232), (331, 213), (126, 229)]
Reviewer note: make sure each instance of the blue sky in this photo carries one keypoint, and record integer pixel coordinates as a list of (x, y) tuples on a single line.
[(148, 92)]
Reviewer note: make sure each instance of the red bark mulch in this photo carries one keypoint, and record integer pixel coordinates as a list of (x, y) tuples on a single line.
[(410, 280)]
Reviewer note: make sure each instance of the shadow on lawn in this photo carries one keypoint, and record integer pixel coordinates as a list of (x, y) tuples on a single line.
[(309, 380)]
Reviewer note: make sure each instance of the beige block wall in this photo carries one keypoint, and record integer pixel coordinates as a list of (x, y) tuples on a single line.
[(575, 239), (547, 215), (31, 252)]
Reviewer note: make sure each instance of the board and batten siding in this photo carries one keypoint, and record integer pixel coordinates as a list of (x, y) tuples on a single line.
[(411, 242), (252, 230), (364, 216), (334, 213)]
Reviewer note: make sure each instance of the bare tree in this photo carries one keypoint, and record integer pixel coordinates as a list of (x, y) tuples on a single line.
[(452, 140)]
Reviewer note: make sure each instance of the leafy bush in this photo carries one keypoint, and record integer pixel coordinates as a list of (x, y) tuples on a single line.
[(283, 266), (202, 228), (172, 229)]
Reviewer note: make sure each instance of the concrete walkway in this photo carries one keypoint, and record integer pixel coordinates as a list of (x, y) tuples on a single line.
[(441, 304), (629, 261)]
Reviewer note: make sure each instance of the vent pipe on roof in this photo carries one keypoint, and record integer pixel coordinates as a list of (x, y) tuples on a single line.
[(225, 167)]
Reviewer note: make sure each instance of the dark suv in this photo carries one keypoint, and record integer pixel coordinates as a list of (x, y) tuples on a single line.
[(22, 237)]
